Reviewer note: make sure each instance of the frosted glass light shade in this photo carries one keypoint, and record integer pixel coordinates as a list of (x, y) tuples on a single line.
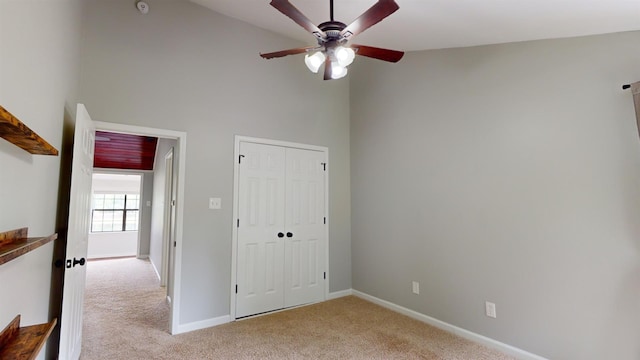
[(344, 55), (314, 61), (338, 71)]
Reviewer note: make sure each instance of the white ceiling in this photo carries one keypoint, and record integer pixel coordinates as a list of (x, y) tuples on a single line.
[(436, 24)]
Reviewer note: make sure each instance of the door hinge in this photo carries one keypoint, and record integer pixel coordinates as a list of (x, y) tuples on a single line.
[(175, 243), (325, 220), (324, 166), (240, 159), (238, 223), (236, 288), (325, 275)]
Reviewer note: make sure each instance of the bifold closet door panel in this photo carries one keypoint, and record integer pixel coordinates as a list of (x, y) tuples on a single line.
[(260, 261), (304, 225)]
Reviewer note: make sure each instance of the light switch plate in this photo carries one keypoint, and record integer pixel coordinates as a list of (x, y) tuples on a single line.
[(415, 287), (215, 203), (490, 309)]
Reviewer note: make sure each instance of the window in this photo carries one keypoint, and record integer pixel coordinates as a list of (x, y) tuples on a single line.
[(115, 212)]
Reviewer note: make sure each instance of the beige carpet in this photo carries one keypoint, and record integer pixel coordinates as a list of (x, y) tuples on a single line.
[(126, 317)]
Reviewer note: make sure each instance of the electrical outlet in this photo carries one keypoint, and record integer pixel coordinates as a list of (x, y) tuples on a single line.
[(215, 203), (416, 287), (490, 309)]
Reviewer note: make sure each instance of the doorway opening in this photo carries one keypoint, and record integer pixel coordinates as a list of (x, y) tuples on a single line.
[(174, 142), (73, 223)]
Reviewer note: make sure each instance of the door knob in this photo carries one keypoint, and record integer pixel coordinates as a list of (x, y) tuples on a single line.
[(75, 262), (280, 235), (289, 234)]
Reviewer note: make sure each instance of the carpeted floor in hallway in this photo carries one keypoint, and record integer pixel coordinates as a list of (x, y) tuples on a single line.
[(126, 317)]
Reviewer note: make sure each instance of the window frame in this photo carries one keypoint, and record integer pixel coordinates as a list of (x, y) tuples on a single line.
[(124, 211)]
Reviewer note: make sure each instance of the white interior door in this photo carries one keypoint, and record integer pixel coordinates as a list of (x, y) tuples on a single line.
[(305, 229), (260, 285), (77, 236), (281, 235)]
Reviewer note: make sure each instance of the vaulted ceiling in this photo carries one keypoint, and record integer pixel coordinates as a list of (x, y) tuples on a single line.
[(435, 24)]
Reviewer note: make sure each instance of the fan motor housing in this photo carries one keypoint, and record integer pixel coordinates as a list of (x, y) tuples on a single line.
[(332, 29)]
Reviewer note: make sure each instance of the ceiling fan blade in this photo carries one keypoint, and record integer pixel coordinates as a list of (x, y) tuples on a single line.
[(375, 14), (327, 69), (277, 54), (378, 53), (285, 7)]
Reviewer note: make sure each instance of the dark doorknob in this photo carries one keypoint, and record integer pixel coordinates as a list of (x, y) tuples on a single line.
[(289, 234), (75, 262), (280, 235)]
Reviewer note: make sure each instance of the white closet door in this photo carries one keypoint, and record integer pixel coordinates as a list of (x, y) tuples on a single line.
[(261, 218), (304, 257)]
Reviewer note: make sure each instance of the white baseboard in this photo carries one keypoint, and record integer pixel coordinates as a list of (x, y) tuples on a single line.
[(203, 324), (505, 348), (339, 294), (155, 269), (143, 257)]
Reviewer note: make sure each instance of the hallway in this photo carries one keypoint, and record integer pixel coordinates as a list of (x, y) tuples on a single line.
[(123, 301)]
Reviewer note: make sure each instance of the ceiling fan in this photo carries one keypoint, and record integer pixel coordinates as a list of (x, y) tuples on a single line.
[(333, 36)]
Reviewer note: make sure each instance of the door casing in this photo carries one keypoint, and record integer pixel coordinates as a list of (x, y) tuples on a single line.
[(167, 231), (234, 238)]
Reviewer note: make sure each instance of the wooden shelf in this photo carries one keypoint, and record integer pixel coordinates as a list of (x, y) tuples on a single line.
[(24, 343), (17, 133), (15, 243)]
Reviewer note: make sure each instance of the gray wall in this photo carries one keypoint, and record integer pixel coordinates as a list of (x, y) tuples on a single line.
[(158, 203), (185, 68), (39, 45), (510, 174)]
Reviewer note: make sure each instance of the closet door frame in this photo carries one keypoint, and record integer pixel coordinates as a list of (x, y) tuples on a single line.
[(234, 237)]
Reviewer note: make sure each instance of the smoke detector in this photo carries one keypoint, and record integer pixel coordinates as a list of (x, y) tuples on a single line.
[(143, 7)]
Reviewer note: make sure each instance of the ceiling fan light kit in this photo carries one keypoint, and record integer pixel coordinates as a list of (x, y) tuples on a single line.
[(338, 71), (333, 36), (314, 61), (344, 55)]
